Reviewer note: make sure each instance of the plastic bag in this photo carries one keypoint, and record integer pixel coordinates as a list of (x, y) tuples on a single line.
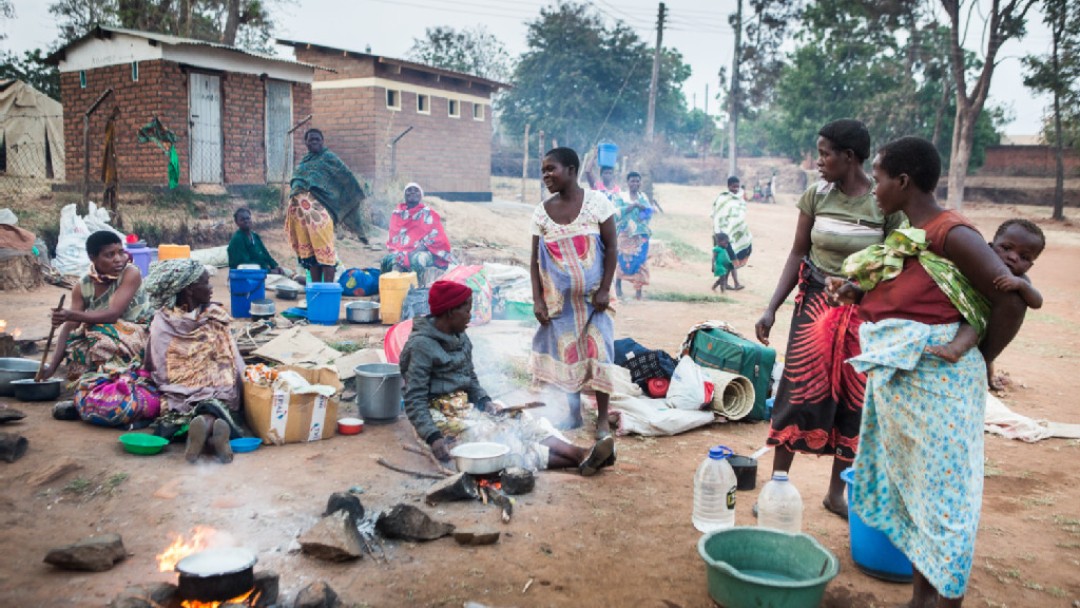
[(475, 278), (71, 258), (359, 283), (687, 389)]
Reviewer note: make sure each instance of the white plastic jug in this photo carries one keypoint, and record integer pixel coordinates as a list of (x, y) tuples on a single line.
[(714, 492), (780, 505)]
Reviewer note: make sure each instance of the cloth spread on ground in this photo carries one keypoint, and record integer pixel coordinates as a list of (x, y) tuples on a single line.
[(416, 239), (331, 182), (248, 248), (632, 226), (575, 350), (885, 261), (1000, 420), (193, 358), (919, 474)]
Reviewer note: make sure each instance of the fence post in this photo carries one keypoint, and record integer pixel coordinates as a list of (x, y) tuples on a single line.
[(86, 151)]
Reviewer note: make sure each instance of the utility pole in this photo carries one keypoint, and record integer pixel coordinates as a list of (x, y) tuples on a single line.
[(733, 97), (650, 121)]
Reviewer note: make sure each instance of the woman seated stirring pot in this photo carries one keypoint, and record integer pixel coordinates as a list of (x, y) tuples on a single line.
[(445, 402)]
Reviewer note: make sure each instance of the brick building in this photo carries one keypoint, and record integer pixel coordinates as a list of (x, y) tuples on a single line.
[(230, 109), (1028, 161), (393, 119)]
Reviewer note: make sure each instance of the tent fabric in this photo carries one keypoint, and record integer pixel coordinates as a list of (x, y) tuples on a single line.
[(29, 121)]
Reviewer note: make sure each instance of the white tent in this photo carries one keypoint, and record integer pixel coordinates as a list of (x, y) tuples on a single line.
[(31, 131)]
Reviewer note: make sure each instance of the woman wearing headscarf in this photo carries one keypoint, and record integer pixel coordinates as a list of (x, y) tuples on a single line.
[(445, 402), (324, 193), (416, 238), (820, 397), (632, 214), (193, 359), (105, 328)]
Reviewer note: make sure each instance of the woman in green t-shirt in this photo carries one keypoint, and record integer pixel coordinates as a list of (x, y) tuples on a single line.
[(819, 401)]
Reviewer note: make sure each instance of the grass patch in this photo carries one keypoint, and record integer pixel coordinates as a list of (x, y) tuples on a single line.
[(689, 298), (264, 199), (683, 250), (79, 485), (347, 347), (991, 468)]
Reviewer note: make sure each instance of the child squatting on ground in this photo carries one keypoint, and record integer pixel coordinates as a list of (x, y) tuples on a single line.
[(721, 261), (1018, 243)]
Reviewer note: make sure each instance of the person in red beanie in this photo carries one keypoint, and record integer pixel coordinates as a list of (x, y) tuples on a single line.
[(446, 404)]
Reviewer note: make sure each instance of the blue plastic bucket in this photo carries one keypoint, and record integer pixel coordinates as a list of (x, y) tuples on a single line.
[(607, 155), (140, 256), (871, 550), (245, 286), (324, 303)]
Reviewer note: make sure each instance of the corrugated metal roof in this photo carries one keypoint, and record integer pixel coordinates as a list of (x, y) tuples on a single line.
[(402, 62), (101, 31)]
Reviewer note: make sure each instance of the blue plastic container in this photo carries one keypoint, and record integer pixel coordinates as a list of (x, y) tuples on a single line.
[(607, 154), (141, 257), (245, 286), (324, 303), (871, 550)]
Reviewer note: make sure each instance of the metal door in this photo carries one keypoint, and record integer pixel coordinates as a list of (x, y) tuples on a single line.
[(279, 145), (205, 121)]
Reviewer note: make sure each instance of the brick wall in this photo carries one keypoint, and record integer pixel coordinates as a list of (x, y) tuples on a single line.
[(1034, 161), (441, 153), (162, 91)]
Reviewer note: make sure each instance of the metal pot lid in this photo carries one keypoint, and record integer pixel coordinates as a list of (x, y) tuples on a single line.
[(217, 562)]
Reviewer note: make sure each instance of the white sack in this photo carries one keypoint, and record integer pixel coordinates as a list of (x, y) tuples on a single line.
[(687, 389)]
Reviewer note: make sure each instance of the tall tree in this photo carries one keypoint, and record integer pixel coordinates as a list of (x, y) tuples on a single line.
[(580, 80), (1058, 74), (474, 51), (1006, 20), (31, 69)]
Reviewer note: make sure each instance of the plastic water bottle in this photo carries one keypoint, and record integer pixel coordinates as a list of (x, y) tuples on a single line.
[(780, 505), (714, 492)]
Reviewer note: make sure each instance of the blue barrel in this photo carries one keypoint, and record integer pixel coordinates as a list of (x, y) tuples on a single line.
[(871, 550), (324, 303), (140, 256), (607, 154), (245, 286)]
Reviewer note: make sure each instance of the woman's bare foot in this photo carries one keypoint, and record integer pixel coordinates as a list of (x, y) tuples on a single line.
[(198, 429), (837, 506), (220, 441)]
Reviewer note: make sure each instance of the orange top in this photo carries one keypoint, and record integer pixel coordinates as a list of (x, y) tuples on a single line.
[(914, 295)]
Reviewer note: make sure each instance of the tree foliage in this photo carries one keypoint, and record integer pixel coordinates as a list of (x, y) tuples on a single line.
[(31, 69), (1041, 74), (473, 51), (580, 80), (244, 23)]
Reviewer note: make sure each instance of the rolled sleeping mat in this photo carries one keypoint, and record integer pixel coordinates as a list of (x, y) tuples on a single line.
[(734, 394)]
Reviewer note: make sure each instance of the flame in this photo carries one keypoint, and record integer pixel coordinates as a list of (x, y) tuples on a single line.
[(250, 598), (15, 333), (484, 483), (181, 548), (3, 326)]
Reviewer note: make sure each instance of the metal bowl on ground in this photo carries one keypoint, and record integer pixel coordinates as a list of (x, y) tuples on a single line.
[(287, 292), (216, 574), (28, 389), (480, 457), (262, 308), (362, 312), (15, 368)]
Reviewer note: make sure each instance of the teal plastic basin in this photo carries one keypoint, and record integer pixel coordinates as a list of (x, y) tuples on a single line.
[(764, 568)]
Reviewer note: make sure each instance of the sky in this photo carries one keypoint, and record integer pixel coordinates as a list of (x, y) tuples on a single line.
[(697, 28)]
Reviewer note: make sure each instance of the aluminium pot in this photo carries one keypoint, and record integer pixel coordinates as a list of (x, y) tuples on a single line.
[(15, 368), (31, 390), (481, 457), (287, 292), (262, 308), (362, 312), (216, 574)]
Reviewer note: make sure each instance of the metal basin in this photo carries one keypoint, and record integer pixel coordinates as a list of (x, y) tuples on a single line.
[(362, 312), (15, 368), (28, 390), (480, 457)]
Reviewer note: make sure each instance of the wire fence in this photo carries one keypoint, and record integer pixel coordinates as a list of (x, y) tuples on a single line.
[(26, 170)]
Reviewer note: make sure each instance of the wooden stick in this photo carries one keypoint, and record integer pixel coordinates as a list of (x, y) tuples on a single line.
[(407, 471), (48, 343), (426, 451)]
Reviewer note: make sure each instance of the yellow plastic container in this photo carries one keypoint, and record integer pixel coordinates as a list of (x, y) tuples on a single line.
[(393, 287), (173, 252)]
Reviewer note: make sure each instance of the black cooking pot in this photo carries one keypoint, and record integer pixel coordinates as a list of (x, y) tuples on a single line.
[(32, 390), (216, 575), (745, 472)]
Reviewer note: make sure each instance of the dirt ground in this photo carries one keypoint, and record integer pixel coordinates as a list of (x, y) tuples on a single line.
[(623, 538)]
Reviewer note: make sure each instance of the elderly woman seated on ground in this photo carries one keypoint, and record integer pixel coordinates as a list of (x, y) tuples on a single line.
[(416, 238), (105, 328), (445, 403), (193, 359)]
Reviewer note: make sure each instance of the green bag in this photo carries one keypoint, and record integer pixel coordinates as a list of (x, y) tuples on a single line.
[(720, 349)]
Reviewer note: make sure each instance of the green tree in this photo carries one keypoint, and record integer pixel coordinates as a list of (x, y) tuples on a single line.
[(31, 69), (1058, 74), (245, 23), (470, 50), (580, 80)]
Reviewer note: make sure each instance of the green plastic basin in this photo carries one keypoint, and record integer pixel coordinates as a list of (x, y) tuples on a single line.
[(764, 568), (142, 443)]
